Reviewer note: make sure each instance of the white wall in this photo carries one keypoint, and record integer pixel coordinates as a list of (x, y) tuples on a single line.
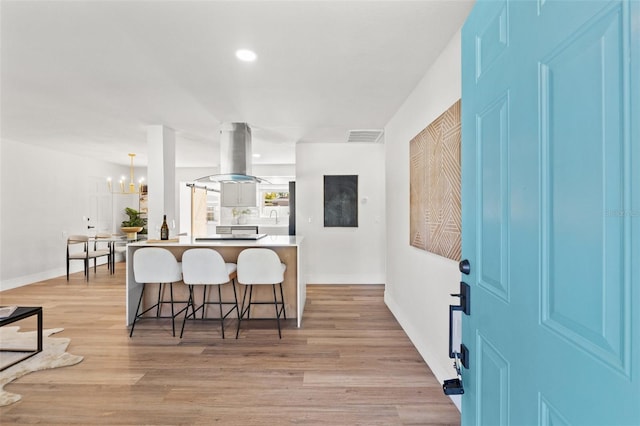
[(342, 255), (45, 195), (418, 282)]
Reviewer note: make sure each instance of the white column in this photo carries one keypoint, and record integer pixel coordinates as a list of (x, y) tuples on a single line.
[(161, 172)]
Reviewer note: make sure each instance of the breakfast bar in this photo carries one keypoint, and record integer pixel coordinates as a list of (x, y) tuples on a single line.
[(288, 248)]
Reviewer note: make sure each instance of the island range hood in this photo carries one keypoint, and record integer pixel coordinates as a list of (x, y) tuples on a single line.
[(235, 155)]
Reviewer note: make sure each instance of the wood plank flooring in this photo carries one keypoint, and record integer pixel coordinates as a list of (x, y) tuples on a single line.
[(349, 364)]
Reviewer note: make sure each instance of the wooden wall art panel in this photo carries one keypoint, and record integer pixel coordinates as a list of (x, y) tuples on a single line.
[(435, 210)]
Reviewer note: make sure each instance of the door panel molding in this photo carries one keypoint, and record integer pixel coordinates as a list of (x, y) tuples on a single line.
[(549, 415), (492, 227), (493, 384), (493, 40), (585, 74)]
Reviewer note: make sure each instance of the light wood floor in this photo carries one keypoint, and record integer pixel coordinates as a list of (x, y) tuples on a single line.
[(349, 364)]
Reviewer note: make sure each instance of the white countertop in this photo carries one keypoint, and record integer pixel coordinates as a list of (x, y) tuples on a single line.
[(279, 224), (268, 241)]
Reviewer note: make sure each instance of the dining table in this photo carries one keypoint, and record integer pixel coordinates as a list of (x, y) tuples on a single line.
[(113, 241)]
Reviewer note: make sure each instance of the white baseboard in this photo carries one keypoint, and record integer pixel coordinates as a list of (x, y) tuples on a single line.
[(43, 275), (33, 278), (442, 372), (345, 279)]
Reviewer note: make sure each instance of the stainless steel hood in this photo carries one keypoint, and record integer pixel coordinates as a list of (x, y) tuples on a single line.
[(235, 155)]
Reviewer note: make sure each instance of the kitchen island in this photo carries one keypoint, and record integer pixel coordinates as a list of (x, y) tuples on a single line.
[(288, 248)]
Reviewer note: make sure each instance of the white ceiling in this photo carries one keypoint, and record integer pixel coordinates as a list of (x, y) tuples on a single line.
[(89, 76)]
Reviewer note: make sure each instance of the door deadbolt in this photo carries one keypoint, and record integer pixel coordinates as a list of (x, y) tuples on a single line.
[(464, 266)]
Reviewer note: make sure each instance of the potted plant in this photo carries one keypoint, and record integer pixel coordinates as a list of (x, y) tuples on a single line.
[(135, 224), (239, 215)]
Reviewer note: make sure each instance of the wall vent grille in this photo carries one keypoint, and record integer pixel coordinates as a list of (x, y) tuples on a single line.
[(374, 135)]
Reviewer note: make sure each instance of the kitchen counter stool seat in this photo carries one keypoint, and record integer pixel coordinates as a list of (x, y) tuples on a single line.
[(261, 266), (157, 265), (205, 267)]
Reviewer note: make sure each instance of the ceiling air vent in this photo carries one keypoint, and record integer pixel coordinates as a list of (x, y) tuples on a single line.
[(374, 135)]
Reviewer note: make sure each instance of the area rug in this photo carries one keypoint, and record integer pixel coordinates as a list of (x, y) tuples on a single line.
[(53, 355)]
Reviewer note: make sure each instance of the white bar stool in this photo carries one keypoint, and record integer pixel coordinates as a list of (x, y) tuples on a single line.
[(206, 267), (261, 266), (157, 265)]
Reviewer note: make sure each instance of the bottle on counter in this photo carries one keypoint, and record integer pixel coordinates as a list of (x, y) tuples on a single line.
[(164, 229)]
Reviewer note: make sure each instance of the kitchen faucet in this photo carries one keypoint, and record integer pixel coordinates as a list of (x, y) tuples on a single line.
[(276, 212)]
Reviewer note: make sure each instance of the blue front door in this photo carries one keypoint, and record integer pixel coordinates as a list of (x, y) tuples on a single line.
[(551, 212)]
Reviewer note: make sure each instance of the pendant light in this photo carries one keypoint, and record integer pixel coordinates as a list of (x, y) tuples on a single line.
[(132, 189)]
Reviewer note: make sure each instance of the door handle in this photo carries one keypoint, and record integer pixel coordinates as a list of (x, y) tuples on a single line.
[(465, 297), (464, 266), (90, 227)]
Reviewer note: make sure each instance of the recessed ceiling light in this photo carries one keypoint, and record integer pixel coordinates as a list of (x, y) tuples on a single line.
[(256, 155), (246, 55)]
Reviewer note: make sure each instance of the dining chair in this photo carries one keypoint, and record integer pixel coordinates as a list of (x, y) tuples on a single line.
[(206, 268), (99, 242), (85, 255), (260, 266), (156, 265)]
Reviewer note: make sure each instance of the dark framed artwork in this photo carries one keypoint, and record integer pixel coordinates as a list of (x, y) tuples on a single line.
[(341, 201)]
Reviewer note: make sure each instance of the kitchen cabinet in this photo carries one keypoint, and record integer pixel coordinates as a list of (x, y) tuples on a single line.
[(238, 195)]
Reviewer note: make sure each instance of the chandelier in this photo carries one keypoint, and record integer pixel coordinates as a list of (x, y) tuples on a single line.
[(132, 188)]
